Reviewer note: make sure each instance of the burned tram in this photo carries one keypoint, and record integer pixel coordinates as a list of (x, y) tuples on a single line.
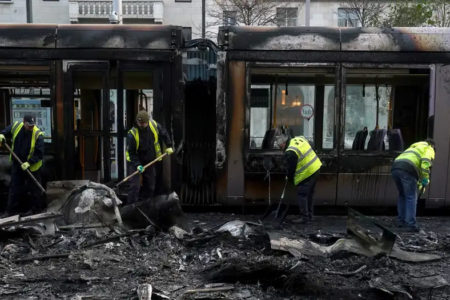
[(85, 84), (360, 96)]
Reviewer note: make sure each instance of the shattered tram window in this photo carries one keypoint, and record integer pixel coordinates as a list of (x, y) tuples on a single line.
[(287, 100), (385, 109)]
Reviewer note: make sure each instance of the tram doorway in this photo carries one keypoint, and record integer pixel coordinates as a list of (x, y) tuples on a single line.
[(104, 98)]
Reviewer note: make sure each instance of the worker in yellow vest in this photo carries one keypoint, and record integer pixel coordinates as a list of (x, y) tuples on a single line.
[(411, 172), (28, 144), (302, 169), (143, 146)]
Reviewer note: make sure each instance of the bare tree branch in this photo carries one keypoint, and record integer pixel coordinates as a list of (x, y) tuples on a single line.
[(441, 13), (247, 12)]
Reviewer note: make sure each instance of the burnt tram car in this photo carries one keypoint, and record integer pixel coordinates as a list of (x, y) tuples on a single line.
[(85, 84), (359, 95)]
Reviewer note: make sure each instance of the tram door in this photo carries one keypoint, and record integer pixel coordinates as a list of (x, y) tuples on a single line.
[(87, 96), (144, 86)]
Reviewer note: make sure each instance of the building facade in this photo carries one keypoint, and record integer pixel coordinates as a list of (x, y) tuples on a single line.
[(184, 13)]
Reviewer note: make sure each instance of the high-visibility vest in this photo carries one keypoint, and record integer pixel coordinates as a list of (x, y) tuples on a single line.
[(17, 126), (307, 160), (419, 155), (135, 133)]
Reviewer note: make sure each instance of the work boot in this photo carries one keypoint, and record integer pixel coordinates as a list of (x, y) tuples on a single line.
[(399, 224), (413, 228), (302, 220)]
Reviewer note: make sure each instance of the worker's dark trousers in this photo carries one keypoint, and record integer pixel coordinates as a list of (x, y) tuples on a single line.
[(407, 197), (134, 188), (21, 184), (305, 193)]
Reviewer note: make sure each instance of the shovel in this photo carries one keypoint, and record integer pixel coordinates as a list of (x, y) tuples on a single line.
[(27, 170), (137, 172), (272, 214)]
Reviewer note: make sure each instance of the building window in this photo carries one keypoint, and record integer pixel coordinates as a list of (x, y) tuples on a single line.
[(286, 16), (348, 17), (6, 1), (229, 17)]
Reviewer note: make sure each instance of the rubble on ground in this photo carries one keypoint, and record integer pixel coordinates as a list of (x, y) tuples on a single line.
[(211, 256)]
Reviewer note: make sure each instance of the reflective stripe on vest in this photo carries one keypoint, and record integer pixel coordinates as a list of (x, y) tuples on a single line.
[(307, 161), (34, 137), (415, 155), (135, 133)]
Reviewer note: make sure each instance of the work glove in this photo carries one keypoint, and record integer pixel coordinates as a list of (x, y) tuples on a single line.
[(25, 165), (424, 182), (169, 150), (2, 138), (140, 169)]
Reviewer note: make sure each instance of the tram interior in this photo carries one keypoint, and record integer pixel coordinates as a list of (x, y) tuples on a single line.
[(89, 91), (384, 109)]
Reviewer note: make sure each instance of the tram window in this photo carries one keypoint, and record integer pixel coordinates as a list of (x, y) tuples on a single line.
[(295, 109), (385, 110), (259, 115), (37, 107), (287, 99), (362, 106)]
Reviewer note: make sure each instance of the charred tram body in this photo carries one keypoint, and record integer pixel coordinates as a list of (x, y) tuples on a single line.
[(360, 96)]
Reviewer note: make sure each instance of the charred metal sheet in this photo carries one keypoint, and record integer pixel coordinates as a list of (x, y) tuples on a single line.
[(89, 54), (279, 38), (411, 39), (414, 39), (123, 36), (362, 189), (235, 143), (309, 56), (27, 36), (366, 178)]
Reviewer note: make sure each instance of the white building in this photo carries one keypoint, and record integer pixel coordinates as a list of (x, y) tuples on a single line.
[(185, 13)]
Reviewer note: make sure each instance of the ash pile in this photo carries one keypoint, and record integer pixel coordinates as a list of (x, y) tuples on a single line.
[(87, 246)]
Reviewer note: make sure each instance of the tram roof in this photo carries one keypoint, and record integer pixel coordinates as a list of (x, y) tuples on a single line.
[(397, 39), (90, 36)]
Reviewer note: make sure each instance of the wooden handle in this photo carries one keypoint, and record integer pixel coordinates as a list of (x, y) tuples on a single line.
[(27, 170), (145, 167)]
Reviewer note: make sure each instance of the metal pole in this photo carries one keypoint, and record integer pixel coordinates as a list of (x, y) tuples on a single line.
[(307, 13), (29, 9), (203, 18), (117, 9)]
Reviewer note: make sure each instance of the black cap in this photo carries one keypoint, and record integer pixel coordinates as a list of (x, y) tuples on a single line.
[(29, 119)]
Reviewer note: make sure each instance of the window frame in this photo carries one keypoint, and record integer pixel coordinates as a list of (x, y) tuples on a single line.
[(346, 18), (229, 15), (342, 115), (318, 121), (286, 18)]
